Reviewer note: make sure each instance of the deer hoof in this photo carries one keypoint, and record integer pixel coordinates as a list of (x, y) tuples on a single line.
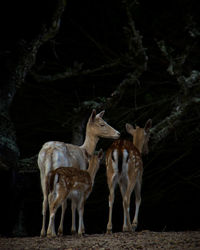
[(134, 226), (109, 231), (60, 233), (73, 232), (42, 233), (50, 235), (127, 229), (80, 235)]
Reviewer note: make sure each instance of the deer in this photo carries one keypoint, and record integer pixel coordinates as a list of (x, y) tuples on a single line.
[(65, 182), (124, 166), (54, 154)]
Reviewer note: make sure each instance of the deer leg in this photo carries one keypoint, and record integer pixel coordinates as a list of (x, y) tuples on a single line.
[(73, 208), (44, 209), (60, 229), (111, 201), (44, 206), (123, 189), (126, 206), (81, 228), (54, 204), (137, 204)]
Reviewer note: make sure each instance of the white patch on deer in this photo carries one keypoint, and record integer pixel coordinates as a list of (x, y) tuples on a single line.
[(73, 192), (115, 162), (75, 184), (137, 163), (124, 163), (55, 179), (56, 186)]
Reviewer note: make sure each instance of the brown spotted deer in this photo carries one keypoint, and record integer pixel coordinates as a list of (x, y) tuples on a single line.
[(65, 182), (124, 166), (55, 154)]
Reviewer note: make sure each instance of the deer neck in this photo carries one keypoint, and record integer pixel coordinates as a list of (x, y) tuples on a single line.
[(138, 145), (92, 170), (90, 143)]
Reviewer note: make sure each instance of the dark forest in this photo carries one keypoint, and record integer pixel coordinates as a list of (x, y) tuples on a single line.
[(137, 60)]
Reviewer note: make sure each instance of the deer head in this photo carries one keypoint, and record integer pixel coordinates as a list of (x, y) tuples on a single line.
[(140, 136), (96, 126)]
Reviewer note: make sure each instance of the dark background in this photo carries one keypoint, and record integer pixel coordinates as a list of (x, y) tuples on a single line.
[(92, 34)]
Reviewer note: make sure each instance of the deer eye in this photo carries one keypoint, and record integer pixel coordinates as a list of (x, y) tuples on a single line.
[(102, 125)]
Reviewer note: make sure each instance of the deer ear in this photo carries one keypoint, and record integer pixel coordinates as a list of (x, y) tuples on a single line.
[(101, 113), (129, 128), (148, 125), (93, 115), (100, 154)]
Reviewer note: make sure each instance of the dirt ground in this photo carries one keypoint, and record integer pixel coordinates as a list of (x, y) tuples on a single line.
[(138, 240)]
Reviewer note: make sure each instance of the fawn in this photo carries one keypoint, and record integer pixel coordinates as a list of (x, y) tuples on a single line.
[(71, 183)]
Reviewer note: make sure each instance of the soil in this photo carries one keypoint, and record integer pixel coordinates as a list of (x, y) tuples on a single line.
[(137, 240)]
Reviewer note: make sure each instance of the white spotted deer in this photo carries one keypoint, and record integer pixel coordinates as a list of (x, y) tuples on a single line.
[(55, 154), (124, 166), (66, 182)]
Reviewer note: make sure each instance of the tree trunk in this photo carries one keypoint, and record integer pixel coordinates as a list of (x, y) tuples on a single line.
[(14, 77), (15, 64)]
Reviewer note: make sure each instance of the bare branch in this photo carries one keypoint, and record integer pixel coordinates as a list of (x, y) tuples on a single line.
[(28, 165), (29, 49), (73, 72), (185, 101)]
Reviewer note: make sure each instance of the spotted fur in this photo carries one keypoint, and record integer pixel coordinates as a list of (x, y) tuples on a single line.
[(65, 182), (124, 166)]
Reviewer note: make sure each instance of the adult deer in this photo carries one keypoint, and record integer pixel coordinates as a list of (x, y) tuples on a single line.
[(124, 166), (55, 154), (66, 182)]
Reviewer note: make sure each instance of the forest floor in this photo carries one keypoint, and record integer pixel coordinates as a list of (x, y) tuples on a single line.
[(138, 240)]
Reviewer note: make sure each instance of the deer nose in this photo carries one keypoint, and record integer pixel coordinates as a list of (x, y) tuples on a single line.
[(118, 134)]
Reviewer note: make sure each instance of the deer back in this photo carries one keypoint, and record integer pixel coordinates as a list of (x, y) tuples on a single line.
[(69, 179), (123, 156), (55, 154)]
